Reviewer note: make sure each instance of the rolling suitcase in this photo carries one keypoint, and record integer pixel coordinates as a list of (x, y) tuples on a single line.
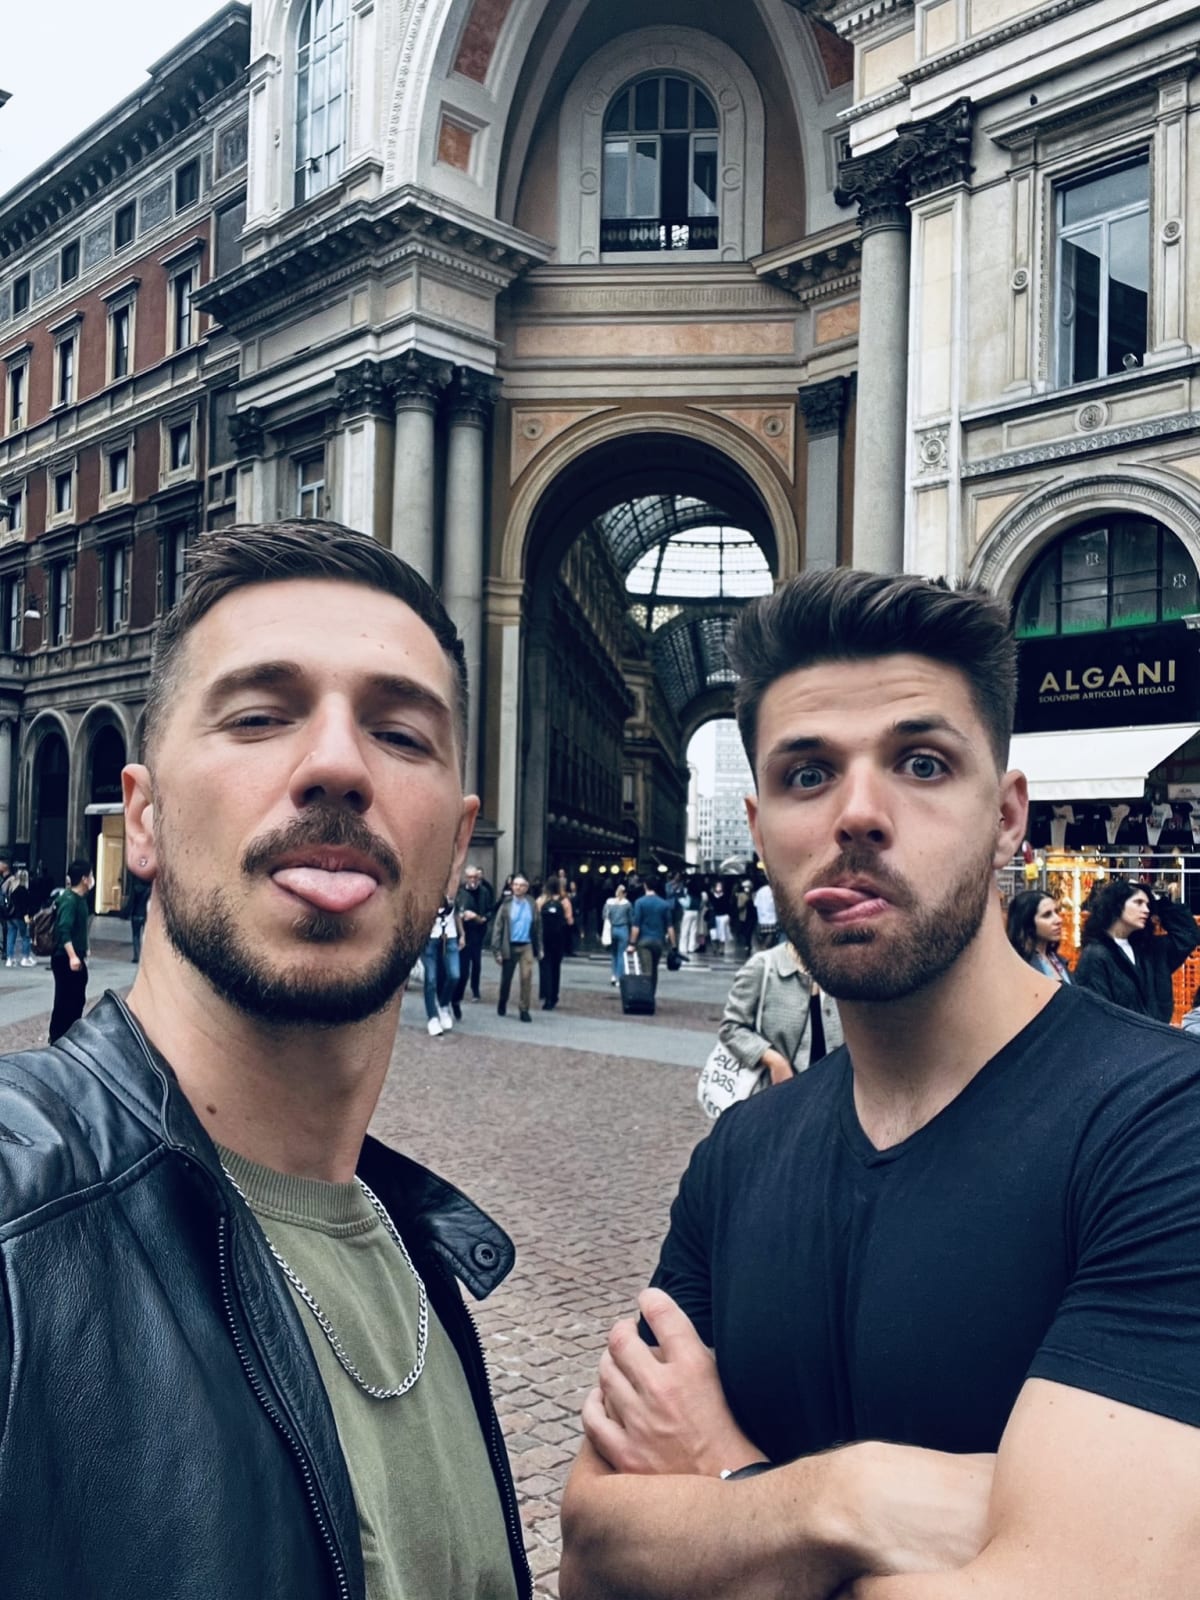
[(637, 988)]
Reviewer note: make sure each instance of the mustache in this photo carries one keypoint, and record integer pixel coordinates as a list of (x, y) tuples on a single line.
[(860, 861), (323, 825)]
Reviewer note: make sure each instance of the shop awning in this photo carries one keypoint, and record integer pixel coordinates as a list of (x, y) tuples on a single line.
[(1095, 763)]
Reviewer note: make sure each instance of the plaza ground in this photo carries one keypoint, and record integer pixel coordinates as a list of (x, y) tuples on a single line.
[(571, 1130)]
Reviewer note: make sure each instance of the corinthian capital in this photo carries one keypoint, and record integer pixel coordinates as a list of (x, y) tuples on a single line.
[(924, 157), (472, 395), (417, 380)]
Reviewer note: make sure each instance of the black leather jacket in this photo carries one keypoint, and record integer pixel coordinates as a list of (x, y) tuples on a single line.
[(163, 1426)]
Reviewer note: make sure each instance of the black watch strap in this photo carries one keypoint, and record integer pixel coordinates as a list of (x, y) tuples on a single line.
[(750, 1471)]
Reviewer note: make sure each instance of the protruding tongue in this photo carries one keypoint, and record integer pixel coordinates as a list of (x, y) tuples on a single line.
[(827, 901), (328, 891)]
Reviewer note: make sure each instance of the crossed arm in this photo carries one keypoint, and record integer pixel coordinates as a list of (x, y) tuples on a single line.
[(1087, 1499)]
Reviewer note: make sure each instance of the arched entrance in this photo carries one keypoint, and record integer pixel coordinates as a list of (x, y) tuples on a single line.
[(51, 783), (638, 558), (106, 816)]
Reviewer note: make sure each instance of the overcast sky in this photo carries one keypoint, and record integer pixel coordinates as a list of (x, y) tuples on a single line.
[(66, 62)]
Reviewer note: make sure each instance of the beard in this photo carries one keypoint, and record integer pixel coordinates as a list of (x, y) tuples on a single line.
[(858, 962), (206, 930)]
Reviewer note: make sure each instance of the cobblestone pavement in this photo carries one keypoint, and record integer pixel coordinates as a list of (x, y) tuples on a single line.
[(577, 1154)]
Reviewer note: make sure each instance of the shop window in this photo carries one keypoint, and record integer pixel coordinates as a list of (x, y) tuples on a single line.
[(1103, 271), (320, 97), (660, 168), (1124, 572)]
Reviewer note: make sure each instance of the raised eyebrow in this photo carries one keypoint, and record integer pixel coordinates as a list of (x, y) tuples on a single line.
[(910, 727)]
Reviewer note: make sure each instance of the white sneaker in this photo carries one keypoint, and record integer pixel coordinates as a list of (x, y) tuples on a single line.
[(435, 1028), (9, 962), (447, 1016), (28, 961)]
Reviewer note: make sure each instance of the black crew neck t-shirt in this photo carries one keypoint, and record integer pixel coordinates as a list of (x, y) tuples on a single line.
[(1045, 1224)]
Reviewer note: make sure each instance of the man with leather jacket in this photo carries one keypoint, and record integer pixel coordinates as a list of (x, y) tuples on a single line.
[(234, 1356)]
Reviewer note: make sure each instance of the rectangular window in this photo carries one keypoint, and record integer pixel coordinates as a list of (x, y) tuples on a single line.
[(179, 451), (310, 485), (70, 261), (16, 512), (12, 609), (20, 294), (65, 388), (125, 226), (118, 471), (1103, 272), (174, 566), (17, 381), (64, 493), (61, 586), (187, 185), (230, 222), (181, 310), (116, 589), (120, 329)]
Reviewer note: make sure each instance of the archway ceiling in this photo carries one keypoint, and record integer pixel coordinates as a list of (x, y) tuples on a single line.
[(689, 656), (635, 527)]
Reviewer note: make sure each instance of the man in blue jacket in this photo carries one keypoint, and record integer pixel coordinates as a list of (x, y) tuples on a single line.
[(234, 1356)]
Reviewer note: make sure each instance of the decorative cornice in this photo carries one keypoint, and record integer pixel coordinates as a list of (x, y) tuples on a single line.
[(246, 431), (984, 42), (852, 17), (812, 274), (1088, 444), (924, 157), (209, 63), (823, 405), (412, 222)]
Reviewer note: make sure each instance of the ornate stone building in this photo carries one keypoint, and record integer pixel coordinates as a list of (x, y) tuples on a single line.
[(115, 406)]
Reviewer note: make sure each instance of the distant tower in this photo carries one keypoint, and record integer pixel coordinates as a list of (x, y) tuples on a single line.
[(733, 781)]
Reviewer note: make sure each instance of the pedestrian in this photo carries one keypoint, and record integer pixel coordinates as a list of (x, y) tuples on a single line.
[(213, 1279), (17, 933), (743, 902), (474, 903), (651, 928), (1123, 959), (766, 918), (768, 1017), (694, 903), (938, 1299), (557, 920), (69, 960), (618, 913), (441, 964), (1035, 927), (718, 918), (7, 884), (136, 902), (516, 942)]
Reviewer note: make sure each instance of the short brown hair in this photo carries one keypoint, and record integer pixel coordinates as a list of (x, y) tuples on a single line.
[(848, 615), (276, 552)]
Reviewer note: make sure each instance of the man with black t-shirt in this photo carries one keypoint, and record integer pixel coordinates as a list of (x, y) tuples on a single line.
[(951, 1277)]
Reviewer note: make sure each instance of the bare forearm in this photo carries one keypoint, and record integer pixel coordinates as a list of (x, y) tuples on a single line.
[(628, 1537)]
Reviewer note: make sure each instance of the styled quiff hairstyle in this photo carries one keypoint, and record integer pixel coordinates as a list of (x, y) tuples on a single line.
[(847, 615), (281, 552)]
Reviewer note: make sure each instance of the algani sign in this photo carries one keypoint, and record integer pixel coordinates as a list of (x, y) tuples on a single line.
[(1097, 683)]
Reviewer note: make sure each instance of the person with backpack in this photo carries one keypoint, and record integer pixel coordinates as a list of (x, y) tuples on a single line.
[(19, 901)]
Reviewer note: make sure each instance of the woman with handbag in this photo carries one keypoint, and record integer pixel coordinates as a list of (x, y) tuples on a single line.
[(618, 919), (441, 969), (767, 1033)]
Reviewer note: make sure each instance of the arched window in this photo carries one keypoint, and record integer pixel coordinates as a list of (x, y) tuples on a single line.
[(661, 160), (320, 96), (1119, 572)]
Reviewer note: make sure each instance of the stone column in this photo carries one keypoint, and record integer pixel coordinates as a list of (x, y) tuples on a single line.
[(364, 478), (823, 405), (924, 157), (471, 397), (881, 421), (417, 382)]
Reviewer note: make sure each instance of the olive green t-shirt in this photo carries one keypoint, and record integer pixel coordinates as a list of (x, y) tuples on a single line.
[(428, 1507)]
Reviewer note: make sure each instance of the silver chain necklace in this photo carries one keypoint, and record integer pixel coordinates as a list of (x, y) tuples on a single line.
[(323, 1322)]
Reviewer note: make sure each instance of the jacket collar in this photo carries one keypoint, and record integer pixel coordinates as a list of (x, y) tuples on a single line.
[(112, 1044)]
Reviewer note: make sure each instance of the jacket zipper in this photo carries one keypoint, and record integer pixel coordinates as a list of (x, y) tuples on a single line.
[(499, 1457), (264, 1399)]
